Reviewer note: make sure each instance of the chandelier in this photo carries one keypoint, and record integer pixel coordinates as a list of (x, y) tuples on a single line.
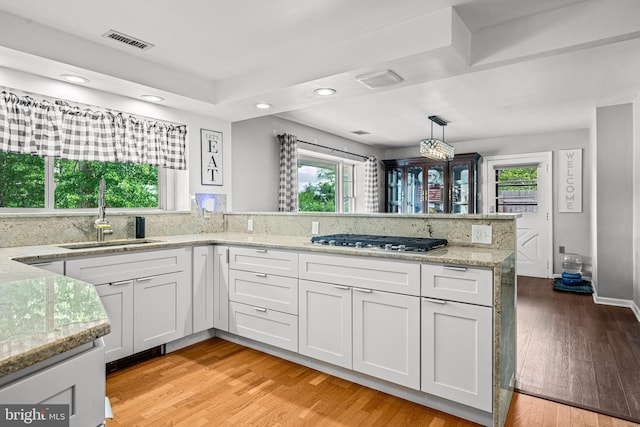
[(436, 149)]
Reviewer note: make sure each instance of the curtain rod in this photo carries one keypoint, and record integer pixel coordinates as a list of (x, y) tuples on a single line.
[(333, 149)]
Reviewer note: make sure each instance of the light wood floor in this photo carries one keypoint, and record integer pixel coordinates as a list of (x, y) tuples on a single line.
[(219, 383), (578, 352)]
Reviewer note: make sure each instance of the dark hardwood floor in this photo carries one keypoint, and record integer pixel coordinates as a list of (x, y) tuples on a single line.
[(574, 351)]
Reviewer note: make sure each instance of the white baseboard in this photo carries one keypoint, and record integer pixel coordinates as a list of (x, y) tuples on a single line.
[(618, 303)]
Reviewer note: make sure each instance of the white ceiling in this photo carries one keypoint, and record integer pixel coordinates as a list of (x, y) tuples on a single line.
[(490, 68)]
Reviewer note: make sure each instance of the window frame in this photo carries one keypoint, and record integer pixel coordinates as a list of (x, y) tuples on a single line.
[(340, 163), (49, 195)]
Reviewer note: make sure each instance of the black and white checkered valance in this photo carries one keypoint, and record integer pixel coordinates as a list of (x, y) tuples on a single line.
[(42, 128), (371, 185), (288, 191)]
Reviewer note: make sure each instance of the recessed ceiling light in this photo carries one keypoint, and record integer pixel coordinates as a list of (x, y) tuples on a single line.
[(74, 79), (325, 91), (152, 98), (263, 105)]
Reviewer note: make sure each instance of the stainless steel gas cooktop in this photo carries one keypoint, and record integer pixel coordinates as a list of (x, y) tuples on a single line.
[(390, 243)]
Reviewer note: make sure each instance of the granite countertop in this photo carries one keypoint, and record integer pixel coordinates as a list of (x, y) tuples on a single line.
[(43, 314)]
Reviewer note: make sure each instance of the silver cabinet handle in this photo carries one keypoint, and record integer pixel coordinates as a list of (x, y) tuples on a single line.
[(436, 301), (344, 288), (124, 282), (144, 279), (260, 309), (451, 267), (261, 251), (367, 291), (260, 274)]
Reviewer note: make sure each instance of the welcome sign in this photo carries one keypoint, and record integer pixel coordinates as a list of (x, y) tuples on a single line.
[(570, 192)]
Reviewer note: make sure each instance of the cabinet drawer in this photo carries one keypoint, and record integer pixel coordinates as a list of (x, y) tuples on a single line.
[(264, 290), (78, 381), (267, 326), (359, 271), (458, 283), (114, 268), (271, 261)]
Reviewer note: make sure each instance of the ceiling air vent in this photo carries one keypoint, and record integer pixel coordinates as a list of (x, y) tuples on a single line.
[(128, 40), (379, 79), (360, 132)]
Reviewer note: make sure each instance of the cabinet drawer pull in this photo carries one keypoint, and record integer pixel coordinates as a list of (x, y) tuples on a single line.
[(368, 291), (260, 274), (124, 282), (261, 251), (42, 264), (260, 309), (145, 279), (344, 288), (436, 301), (450, 267)]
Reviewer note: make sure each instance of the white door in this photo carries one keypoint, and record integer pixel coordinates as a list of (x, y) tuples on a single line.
[(531, 197)]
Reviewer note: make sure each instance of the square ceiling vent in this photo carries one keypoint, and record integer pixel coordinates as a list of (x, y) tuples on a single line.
[(379, 79)]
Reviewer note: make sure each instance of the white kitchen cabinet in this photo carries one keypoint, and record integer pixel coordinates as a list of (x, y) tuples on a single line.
[(117, 299), (460, 283), (202, 281), (125, 266), (325, 322), (268, 261), (264, 290), (147, 296), (263, 295), (267, 326), (386, 336), (161, 310), (361, 271), (457, 352), (77, 381), (221, 288)]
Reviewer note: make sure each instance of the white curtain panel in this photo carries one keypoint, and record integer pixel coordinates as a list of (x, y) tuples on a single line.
[(42, 128), (288, 193), (371, 185)]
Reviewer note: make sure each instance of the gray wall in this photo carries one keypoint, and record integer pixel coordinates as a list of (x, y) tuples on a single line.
[(255, 162), (571, 230), (614, 192)]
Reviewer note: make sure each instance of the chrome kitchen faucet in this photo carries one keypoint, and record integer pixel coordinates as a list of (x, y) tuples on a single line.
[(101, 225)]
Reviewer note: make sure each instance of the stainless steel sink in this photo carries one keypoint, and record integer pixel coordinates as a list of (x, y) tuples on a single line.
[(120, 242)]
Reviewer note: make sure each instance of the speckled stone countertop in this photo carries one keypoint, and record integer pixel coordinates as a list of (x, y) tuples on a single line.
[(43, 314)]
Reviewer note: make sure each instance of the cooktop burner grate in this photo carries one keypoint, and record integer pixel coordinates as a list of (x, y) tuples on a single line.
[(400, 243)]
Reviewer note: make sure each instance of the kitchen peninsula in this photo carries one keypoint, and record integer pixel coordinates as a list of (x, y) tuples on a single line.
[(285, 234)]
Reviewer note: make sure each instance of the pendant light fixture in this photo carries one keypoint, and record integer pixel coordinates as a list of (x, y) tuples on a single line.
[(436, 149)]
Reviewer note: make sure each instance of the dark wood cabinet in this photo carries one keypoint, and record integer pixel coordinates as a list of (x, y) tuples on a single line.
[(419, 185)]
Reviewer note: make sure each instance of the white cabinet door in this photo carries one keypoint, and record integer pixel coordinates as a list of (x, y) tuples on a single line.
[(457, 352), (161, 310), (325, 322), (202, 280), (117, 299), (221, 288), (386, 336)]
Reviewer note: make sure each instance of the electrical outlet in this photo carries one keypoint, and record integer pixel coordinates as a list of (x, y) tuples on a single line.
[(481, 234), (314, 227), (249, 225), (561, 249)]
